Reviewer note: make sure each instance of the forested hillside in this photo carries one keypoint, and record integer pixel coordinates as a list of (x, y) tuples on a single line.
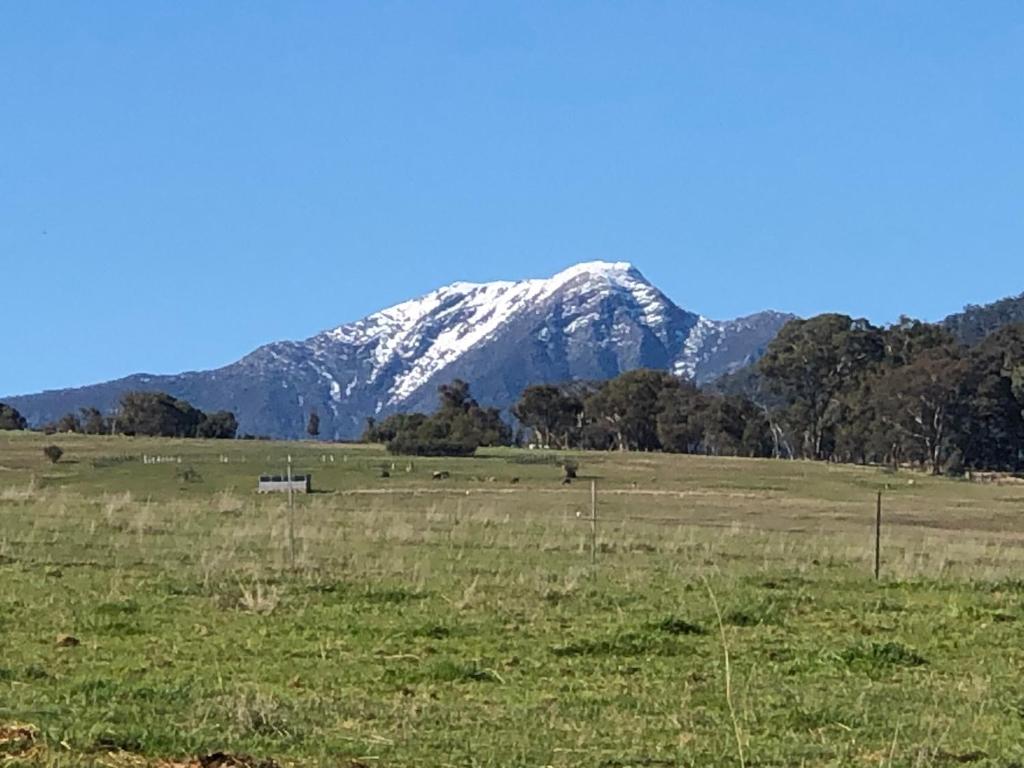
[(976, 322)]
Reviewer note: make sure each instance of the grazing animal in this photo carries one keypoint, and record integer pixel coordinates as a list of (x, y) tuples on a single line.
[(441, 474), (515, 480)]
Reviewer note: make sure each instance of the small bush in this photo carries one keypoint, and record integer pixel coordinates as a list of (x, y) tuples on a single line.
[(53, 453), (189, 475)]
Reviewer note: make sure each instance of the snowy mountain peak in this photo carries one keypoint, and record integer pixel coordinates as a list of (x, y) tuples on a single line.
[(615, 272), (590, 321), (501, 296)]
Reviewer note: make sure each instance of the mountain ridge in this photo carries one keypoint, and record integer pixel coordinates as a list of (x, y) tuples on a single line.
[(592, 320)]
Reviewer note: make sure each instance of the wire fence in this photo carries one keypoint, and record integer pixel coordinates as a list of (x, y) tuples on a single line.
[(583, 525)]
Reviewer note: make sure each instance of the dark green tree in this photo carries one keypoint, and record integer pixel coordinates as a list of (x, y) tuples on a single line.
[(157, 414), (733, 425), (10, 418), (455, 397), (313, 425), (923, 404), (467, 419), (92, 421), (386, 430), (457, 428), (908, 338), (994, 428), (490, 427), (810, 364), (679, 421), (68, 423), (1017, 385), (627, 407), (220, 425), (437, 436), (553, 414)]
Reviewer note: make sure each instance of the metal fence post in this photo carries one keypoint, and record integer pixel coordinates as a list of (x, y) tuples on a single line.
[(291, 516), (878, 535), (593, 522)]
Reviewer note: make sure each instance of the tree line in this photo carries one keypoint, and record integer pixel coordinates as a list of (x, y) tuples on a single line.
[(640, 410), (830, 388), (152, 414), (848, 391)]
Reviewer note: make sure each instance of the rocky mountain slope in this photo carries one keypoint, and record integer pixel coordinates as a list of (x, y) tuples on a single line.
[(591, 321)]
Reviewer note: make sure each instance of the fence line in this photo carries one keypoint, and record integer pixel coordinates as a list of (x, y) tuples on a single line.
[(50, 526)]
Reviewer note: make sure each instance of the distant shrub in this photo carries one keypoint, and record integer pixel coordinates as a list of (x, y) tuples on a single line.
[(53, 453), (189, 475)]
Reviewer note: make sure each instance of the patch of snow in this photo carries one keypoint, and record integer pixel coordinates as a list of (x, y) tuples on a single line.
[(697, 347)]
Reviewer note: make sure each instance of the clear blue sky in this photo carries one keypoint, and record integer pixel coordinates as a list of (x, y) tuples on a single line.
[(183, 181)]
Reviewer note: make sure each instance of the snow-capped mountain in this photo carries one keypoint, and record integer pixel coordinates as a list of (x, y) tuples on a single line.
[(591, 321)]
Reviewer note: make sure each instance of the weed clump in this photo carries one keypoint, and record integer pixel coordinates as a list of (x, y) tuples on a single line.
[(392, 595), (449, 671), (435, 632), (625, 644), (673, 625), (883, 655), (257, 713)]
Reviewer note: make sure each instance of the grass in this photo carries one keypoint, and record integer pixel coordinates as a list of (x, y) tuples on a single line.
[(459, 622)]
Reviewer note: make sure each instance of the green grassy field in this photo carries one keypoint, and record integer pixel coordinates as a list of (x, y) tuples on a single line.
[(408, 621)]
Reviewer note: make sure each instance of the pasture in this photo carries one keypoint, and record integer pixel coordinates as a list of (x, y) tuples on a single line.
[(155, 609)]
